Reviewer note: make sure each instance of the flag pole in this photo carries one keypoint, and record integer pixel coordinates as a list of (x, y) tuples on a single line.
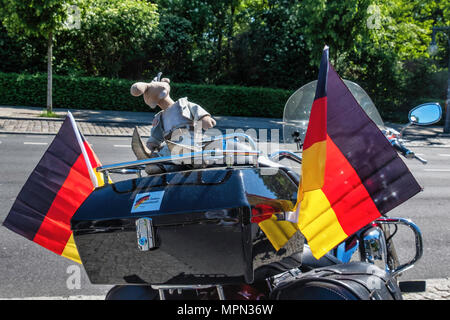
[(83, 150)]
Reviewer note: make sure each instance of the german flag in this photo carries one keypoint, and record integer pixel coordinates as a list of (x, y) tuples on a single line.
[(351, 175), (62, 180)]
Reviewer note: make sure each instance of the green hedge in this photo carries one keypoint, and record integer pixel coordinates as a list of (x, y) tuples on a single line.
[(114, 94)]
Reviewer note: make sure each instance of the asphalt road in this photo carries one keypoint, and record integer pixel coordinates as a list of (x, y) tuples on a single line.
[(28, 270)]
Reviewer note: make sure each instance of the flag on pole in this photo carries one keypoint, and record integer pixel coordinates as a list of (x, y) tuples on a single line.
[(61, 181), (351, 175)]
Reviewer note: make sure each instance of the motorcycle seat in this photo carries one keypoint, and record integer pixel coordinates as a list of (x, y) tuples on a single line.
[(309, 262)]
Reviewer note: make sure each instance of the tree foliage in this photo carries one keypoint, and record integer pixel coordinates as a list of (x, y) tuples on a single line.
[(39, 18), (381, 44), (112, 34), (33, 17)]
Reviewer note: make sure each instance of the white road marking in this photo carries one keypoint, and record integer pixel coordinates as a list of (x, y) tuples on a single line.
[(444, 154), (122, 146), (117, 139), (37, 136), (36, 143), (437, 170)]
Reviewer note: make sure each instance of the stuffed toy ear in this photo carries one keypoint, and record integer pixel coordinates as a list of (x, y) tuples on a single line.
[(165, 80), (138, 88), (163, 94)]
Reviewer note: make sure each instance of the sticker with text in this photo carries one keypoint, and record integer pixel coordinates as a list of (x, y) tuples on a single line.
[(148, 201)]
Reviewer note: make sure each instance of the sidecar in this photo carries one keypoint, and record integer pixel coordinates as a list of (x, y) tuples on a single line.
[(193, 225)]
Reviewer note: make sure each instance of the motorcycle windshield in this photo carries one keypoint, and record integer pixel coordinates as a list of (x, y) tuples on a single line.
[(298, 108)]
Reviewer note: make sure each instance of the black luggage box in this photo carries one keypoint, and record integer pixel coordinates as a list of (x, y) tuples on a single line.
[(202, 227)]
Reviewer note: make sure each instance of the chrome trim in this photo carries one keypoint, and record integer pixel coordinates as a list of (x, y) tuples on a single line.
[(374, 247), (206, 154), (181, 287), (406, 126), (230, 136), (220, 292), (125, 171), (145, 234), (282, 278), (281, 154), (418, 242), (428, 123)]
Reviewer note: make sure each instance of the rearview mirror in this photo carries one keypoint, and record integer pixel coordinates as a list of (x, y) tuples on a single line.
[(425, 114)]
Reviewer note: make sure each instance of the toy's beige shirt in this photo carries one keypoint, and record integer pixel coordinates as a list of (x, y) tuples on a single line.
[(181, 114)]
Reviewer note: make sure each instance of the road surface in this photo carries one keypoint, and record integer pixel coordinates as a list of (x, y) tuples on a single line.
[(28, 270)]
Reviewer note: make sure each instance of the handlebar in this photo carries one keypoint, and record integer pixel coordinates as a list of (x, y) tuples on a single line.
[(399, 147), (408, 154), (424, 161)]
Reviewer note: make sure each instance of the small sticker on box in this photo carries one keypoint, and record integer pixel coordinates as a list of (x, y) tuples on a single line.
[(148, 201)]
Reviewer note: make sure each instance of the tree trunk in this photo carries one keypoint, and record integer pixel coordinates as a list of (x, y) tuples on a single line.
[(230, 34), (219, 53), (49, 73), (447, 102)]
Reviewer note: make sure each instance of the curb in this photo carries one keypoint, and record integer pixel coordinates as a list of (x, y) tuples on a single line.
[(128, 122), (123, 127), (436, 289), (102, 125), (77, 120), (52, 134)]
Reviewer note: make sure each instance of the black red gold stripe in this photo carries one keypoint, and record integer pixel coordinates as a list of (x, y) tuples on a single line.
[(37, 195), (54, 191), (383, 173), (356, 179)]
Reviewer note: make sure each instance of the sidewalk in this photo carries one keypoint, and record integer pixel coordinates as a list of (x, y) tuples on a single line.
[(27, 120), (436, 289)]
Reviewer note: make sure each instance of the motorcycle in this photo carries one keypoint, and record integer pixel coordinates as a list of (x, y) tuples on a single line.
[(193, 231)]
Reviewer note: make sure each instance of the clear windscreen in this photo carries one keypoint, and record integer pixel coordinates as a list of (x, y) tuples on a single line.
[(298, 108)]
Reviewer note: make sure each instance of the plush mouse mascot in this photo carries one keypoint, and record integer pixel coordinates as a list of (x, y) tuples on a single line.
[(177, 120)]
